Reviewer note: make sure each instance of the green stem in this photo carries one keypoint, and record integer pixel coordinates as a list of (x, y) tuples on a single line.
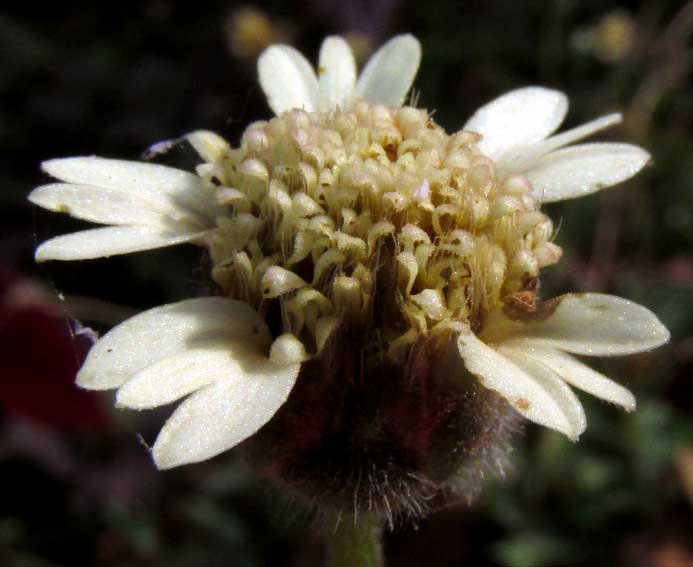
[(356, 543)]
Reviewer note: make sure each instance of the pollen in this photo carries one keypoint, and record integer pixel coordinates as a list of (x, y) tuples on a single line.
[(373, 218)]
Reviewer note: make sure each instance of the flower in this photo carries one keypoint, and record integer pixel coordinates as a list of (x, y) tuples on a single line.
[(379, 310)]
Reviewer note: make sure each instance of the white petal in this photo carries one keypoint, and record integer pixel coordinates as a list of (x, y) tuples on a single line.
[(521, 158), (517, 118), (166, 331), (390, 72), (579, 375), (554, 386), (180, 374), (287, 79), (110, 241), (98, 204), (541, 401), (580, 170), (337, 73), (173, 190), (225, 413), (580, 132), (592, 324)]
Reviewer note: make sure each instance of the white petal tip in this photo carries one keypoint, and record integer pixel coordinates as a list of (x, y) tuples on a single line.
[(123, 401), (52, 250), (41, 255), (640, 157), (589, 324), (660, 335), (410, 41), (625, 400), (89, 382), (576, 171), (38, 197), (162, 460), (60, 168), (523, 116), (52, 166), (613, 119), (287, 79), (126, 398), (389, 73)]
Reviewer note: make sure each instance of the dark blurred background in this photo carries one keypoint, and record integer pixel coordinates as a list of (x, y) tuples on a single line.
[(77, 486)]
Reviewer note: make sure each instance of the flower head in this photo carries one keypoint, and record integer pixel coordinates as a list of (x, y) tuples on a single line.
[(379, 318)]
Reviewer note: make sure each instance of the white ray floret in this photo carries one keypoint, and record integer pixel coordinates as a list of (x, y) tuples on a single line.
[(173, 190), (579, 170), (180, 374), (150, 205), (540, 397), (518, 118), (213, 348), (337, 71), (103, 205), (576, 373), (515, 131), (289, 81), (524, 361), (165, 331), (248, 391), (591, 324), (389, 74), (110, 241)]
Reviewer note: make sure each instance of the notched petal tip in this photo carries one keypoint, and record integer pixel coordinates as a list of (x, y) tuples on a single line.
[(531, 389), (579, 375), (167, 331), (225, 413), (176, 376)]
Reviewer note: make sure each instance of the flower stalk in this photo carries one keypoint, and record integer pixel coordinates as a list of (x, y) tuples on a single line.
[(357, 543)]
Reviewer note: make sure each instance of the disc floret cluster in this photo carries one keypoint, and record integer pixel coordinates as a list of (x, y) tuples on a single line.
[(319, 207)]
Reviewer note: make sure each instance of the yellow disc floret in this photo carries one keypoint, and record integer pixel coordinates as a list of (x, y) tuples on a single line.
[(371, 217)]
